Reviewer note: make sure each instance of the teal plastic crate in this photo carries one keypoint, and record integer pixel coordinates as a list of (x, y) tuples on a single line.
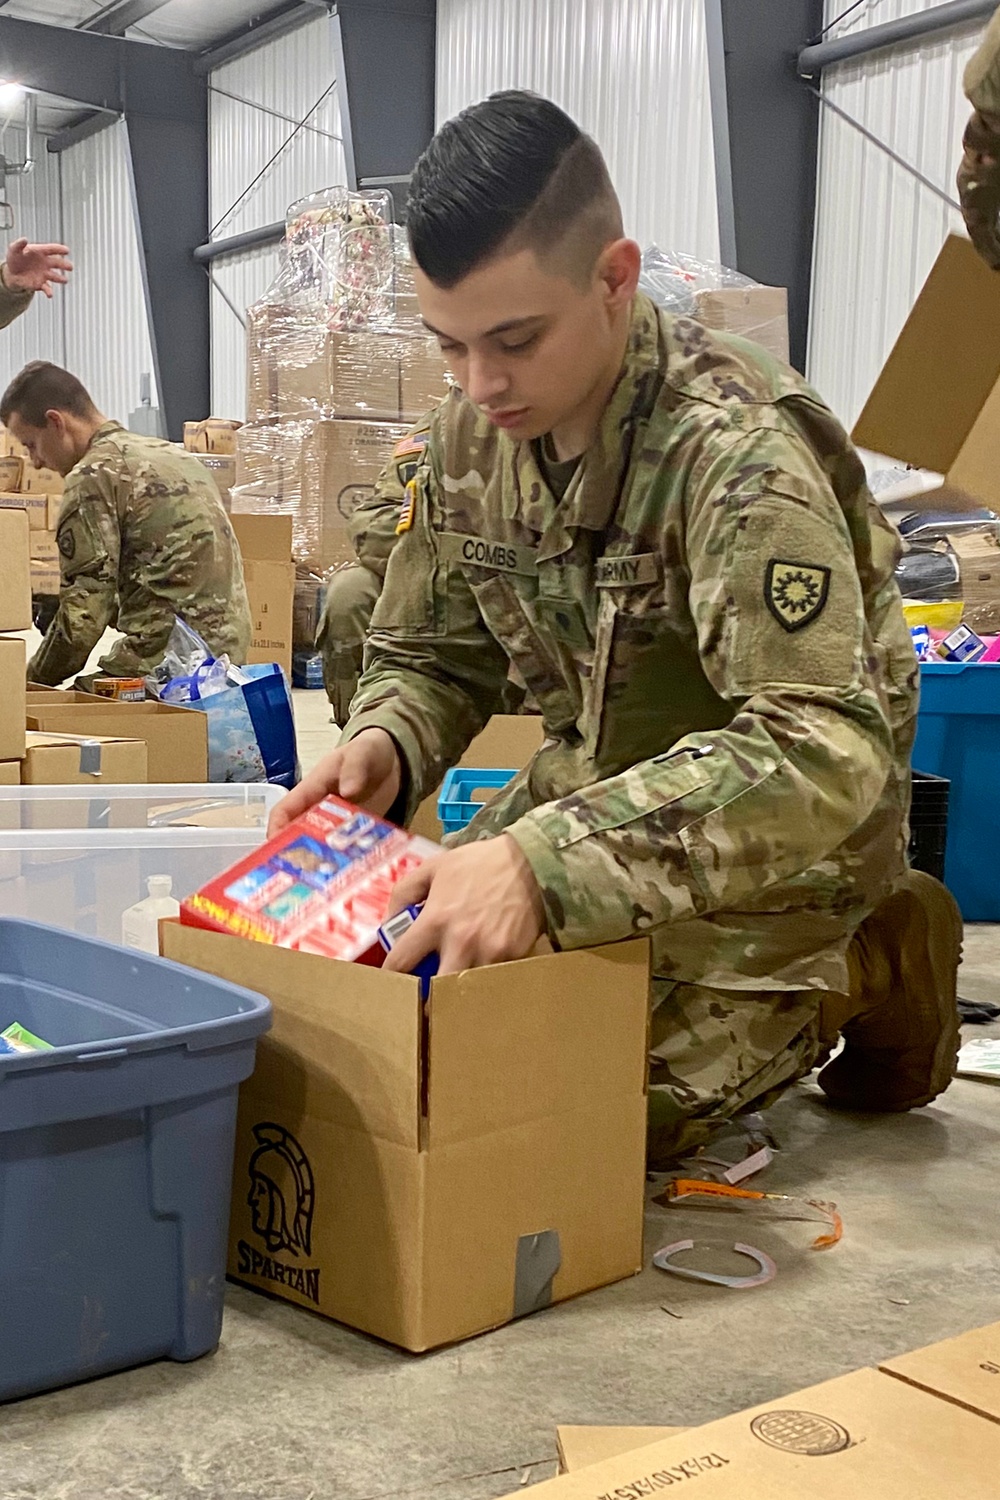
[(958, 736), (457, 804)]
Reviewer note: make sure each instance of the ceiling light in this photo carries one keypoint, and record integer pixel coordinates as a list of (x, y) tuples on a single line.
[(11, 95)]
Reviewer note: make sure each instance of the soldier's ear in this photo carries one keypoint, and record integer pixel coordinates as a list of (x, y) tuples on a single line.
[(618, 268), (56, 420)]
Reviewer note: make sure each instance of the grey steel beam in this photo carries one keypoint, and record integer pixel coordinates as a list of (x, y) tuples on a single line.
[(116, 18), (265, 28), (380, 141), (718, 101), (80, 130), (232, 244), (773, 134), (913, 28)]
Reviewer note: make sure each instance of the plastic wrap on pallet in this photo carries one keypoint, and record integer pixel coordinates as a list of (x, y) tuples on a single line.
[(720, 298), (315, 472)]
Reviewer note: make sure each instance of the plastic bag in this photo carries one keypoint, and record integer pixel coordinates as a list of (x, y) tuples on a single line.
[(673, 279), (188, 670), (251, 729)]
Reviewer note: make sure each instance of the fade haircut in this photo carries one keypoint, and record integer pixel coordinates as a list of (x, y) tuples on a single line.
[(42, 387), (511, 173)]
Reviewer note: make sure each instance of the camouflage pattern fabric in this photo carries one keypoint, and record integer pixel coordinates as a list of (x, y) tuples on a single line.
[(709, 624), (979, 173), (12, 303), (351, 596), (143, 537)]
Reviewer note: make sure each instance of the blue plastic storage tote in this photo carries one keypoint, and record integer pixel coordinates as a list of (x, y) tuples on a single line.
[(456, 804), (116, 1154), (958, 736)]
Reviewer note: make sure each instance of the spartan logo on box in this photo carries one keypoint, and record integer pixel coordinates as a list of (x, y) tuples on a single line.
[(351, 496), (282, 1199), (801, 1432)]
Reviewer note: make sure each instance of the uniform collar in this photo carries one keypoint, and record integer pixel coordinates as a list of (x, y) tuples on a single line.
[(593, 492), (105, 430)]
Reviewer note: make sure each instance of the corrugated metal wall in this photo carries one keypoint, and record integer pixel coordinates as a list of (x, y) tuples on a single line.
[(107, 331), (287, 78), (878, 230), (37, 214), (633, 73)]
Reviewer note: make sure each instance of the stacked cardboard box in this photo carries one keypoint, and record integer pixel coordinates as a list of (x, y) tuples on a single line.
[(39, 493), (337, 368)]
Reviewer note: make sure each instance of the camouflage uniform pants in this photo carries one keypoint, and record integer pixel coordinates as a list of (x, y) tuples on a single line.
[(717, 1053), (351, 597)]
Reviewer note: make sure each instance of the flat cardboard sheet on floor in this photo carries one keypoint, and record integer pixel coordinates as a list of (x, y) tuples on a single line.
[(177, 738), (863, 1436), (425, 1172), (936, 404), (965, 1370), (579, 1447), (508, 741)]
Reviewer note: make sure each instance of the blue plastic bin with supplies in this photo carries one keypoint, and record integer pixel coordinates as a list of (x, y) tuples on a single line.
[(116, 1154), (958, 736), (458, 803)]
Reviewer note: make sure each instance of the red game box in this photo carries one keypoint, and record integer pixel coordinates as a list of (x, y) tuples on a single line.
[(322, 885)]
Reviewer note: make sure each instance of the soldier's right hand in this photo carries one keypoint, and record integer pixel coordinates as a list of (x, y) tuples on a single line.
[(365, 771)]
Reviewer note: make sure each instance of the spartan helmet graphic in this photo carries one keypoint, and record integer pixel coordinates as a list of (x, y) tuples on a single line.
[(282, 1194)]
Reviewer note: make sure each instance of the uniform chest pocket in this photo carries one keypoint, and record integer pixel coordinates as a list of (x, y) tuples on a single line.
[(648, 689), (508, 621)]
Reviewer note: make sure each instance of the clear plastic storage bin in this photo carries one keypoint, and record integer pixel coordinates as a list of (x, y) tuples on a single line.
[(77, 857)]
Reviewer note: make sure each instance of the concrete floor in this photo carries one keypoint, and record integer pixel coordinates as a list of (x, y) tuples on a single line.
[(295, 1408)]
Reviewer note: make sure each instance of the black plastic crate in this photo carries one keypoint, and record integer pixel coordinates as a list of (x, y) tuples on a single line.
[(929, 823)]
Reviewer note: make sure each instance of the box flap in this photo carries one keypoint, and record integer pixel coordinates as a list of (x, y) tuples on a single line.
[(975, 471), (863, 1435), (515, 1043), (965, 1370), (346, 1037), (264, 538), (943, 367), (580, 1446)]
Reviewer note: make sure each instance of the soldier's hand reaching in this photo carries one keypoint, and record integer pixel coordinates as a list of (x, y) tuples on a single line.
[(365, 771), (34, 268), (482, 905)]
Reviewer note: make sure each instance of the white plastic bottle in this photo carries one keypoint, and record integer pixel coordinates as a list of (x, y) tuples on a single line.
[(140, 923)]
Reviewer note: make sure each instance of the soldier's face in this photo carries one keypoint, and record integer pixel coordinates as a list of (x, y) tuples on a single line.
[(528, 345), (49, 447)]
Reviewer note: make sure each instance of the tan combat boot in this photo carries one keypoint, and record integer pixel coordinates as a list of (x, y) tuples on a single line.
[(900, 1023)]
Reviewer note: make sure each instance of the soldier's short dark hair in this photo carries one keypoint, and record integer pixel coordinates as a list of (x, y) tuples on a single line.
[(41, 387), (512, 172)]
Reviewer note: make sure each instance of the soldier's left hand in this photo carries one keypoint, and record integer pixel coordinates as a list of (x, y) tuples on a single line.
[(482, 905), (34, 268)]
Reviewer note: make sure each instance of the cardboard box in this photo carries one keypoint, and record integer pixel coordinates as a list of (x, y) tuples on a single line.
[(424, 1172), (509, 740), (79, 760), (45, 577), (11, 472), (262, 366), (15, 579), (307, 612), (43, 510), (43, 547), (222, 467), (213, 435), (579, 1447), (13, 697), (176, 738), (327, 374), (758, 313), (423, 377), (864, 1436), (266, 544), (965, 1370), (979, 563), (936, 404)]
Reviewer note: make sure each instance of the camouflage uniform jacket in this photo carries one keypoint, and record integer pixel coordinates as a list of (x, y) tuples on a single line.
[(12, 303), (710, 625), (979, 173), (143, 536)]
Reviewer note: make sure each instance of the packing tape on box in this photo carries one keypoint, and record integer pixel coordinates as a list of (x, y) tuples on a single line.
[(539, 1257)]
